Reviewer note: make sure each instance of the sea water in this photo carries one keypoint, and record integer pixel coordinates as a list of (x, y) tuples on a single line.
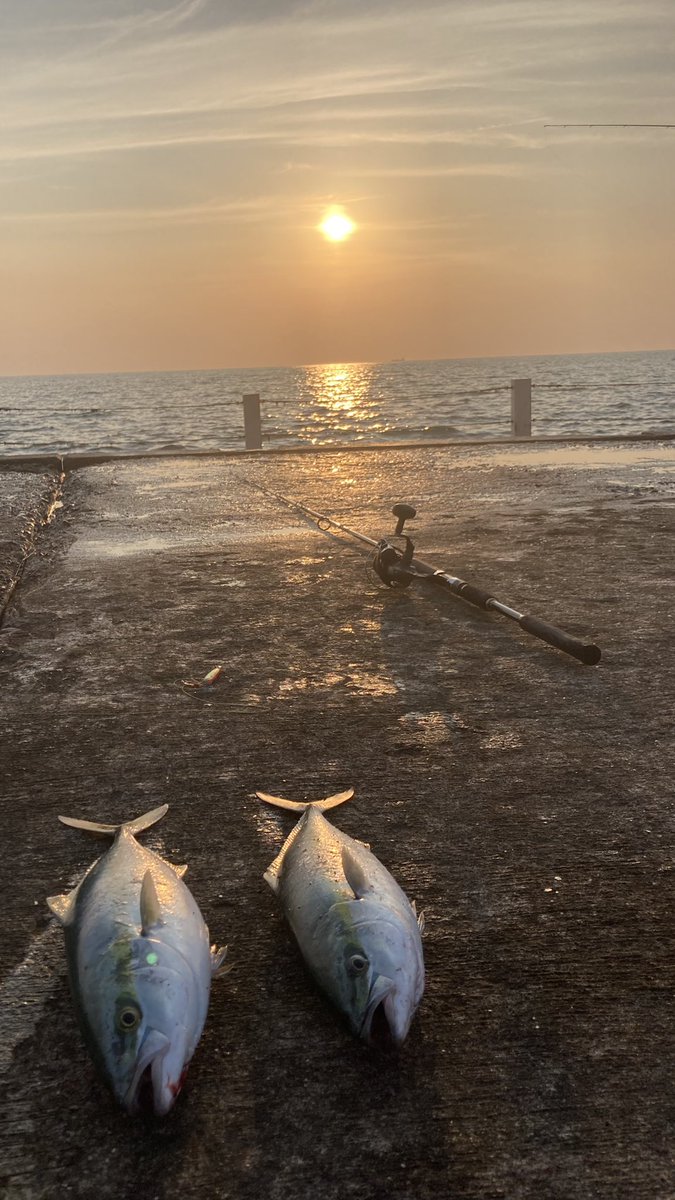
[(628, 393)]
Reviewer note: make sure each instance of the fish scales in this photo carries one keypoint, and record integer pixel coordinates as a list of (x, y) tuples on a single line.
[(139, 964), (314, 871), (355, 927), (113, 892)]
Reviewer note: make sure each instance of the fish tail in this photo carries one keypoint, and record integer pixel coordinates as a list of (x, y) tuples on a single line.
[(135, 826), (302, 805)]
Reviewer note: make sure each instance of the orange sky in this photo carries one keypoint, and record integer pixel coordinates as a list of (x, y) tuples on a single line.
[(164, 168)]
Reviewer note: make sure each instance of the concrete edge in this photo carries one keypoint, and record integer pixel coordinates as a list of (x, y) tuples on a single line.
[(73, 462)]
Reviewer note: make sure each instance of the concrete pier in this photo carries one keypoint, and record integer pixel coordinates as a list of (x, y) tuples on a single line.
[(523, 800)]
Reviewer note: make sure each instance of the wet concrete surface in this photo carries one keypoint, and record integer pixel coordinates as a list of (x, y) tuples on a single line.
[(524, 801)]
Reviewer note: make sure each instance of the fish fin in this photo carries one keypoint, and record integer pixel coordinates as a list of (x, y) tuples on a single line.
[(421, 922), (301, 805), (151, 912), (218, 965), (179, 868), (148, 819), (273, 873), (63, 907), (135, 826), (89, 826), (272, 878), (355, 874)]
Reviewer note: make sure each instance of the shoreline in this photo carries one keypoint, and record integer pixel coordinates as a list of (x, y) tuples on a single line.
[(76, 461)]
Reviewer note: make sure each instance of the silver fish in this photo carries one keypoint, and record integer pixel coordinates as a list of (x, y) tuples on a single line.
[(357, 931), (140, 965)]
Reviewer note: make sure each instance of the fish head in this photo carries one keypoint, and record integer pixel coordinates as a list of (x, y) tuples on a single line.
[(373, 970), (143, 1018)]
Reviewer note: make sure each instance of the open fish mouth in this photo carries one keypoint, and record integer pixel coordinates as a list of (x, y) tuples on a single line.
[(380, 1027), (149, 1090), (380, 1033)]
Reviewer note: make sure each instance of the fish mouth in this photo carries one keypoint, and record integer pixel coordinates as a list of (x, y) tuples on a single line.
[(150, 1090), (380, 1026)]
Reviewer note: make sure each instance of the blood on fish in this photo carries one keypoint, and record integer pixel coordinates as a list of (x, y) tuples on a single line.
[(176, 1087)]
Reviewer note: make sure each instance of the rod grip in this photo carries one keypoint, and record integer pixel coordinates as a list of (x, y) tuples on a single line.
[(466, 591), (474, 595), (585, 652)]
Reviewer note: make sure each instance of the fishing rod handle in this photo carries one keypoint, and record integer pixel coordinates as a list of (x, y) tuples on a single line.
[(466, 591), (585, 652), (474, 595)]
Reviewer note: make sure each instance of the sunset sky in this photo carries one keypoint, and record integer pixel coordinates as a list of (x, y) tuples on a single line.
[(164, 168)]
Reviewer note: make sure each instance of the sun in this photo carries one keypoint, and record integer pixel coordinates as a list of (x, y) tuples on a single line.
[(336, 226)]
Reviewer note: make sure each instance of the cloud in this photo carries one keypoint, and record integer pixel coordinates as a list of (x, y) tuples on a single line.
[(164, 107), (194, 214)]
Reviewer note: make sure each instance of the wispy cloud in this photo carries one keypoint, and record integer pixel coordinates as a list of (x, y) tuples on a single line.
[(189, 214), (135, 73)]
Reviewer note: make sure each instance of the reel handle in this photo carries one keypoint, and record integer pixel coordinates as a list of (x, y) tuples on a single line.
[(403, 513)]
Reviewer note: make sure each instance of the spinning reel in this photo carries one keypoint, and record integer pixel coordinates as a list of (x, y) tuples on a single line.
[(391, 563), (396, 568)]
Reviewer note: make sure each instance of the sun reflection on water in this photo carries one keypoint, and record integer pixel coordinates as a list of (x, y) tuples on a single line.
[(340, 394)]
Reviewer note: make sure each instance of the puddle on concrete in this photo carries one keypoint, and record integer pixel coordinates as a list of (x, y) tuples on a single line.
[(571, 455)]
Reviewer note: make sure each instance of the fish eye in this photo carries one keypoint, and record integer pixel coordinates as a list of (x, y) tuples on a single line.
[(358, 964), (129, 1018)]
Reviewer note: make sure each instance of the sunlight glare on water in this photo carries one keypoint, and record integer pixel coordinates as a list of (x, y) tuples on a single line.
[(336, 403), (341, 393)]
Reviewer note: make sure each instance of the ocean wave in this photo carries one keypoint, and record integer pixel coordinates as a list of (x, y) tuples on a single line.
[(454, 399)]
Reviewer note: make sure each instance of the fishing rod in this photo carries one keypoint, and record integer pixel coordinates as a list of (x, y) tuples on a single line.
[(611, 125), (397, 567)]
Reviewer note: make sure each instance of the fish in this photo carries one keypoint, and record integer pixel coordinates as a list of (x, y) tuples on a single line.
[(140, 965), (356, 929)]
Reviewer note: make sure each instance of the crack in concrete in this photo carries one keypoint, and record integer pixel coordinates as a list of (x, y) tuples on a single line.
[(48, 505)]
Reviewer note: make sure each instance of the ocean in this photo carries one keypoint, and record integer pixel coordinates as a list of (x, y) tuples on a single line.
[(628, 393)]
